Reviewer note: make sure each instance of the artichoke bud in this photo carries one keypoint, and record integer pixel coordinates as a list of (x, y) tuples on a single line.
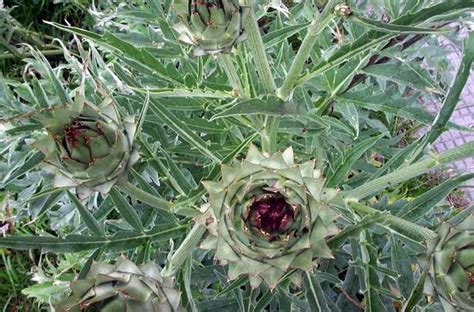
[(122, 287), (271, 215), (452, 265), (342, 10), (210, 26), (88, 147)]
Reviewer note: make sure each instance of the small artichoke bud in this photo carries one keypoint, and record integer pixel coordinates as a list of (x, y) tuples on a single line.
[(342, 10), (211, 26)]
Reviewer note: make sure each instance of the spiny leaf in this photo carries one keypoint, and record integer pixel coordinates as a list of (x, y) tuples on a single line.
[(87, 216), (183, 93), (30, 161), (121, 241), (373, 38), (315, 294), (126, 210), (406, 74), (346, 162), (385, 102), (418, 207), (123, 49), (170, 119), (270, 106)]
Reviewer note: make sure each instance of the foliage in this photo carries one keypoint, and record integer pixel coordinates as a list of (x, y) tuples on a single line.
[(22, 25), (334, 87)]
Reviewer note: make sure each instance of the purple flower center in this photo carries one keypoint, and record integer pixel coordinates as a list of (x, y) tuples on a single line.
[(271, 214), (73, 132)]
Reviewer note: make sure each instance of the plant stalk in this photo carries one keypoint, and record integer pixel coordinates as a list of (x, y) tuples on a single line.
[(270, 128), (228, 65), (9, 56), (409, 172), (396, 221), (270, 134), (185, 249), (258, 48), (314, 29)]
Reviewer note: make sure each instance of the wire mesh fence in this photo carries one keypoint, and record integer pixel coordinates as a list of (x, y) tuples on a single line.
[(463, 115)]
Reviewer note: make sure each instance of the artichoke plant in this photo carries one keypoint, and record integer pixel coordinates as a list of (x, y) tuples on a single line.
[(122, 287), (452, 265), (89, 147), (271, 215), (211, 26)]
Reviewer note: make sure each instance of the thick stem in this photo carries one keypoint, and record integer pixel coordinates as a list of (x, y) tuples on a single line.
[(185, 249), (8, 56), (409, 172), (454, 93), (227, 63), (258, 48), (270, 134), (396, 222), (264, 71), (314, 29)]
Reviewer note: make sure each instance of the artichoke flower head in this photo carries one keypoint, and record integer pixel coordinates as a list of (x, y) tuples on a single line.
[(270, 215), (452, 265), (211, 26), (122, 287), (89, 147)]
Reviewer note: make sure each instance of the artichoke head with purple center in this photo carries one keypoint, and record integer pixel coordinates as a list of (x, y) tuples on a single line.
[(210, 26), (270, 215), (88, 147)]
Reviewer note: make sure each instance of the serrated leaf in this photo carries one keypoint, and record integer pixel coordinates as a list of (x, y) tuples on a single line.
[(404, 73), (345, 163), (281, 34), (354, 230), (372, 38), (385, 102), (314, 294), (270, 107), (126, 210), (418, 207), (184, 93), (87, 216), (145, 197), (454, 92), (121, 241), (30, 161), (123, 49), (168, 118), (416, 294), (349, 112)]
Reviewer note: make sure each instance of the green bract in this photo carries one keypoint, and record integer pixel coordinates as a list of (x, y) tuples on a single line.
[(452, 264), (211, 26), (271, 215), (88, 147), (122, 287)]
